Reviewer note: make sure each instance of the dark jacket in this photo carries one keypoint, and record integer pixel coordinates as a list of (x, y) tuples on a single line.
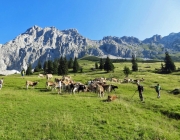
[(140, 88)]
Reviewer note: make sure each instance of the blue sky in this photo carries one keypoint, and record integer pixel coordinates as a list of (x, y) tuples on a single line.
[(93, 19)]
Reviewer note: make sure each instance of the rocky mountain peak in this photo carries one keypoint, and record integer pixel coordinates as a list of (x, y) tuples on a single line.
[(33, 29), (49, 43), (153, 39), (131, 39)]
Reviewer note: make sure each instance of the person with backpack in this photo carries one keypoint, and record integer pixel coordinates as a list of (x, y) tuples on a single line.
[(140, 89), (22, 72), (1, 83), (158, 88)]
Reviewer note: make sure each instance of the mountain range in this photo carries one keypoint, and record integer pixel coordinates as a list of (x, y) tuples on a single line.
[(49, 43)]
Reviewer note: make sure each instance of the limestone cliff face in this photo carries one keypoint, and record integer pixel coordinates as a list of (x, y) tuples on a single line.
[(50, 43), (42, 44)]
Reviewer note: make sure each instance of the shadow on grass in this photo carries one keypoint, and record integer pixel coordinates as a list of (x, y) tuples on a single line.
[(29, 88), (63, 94), (105, 100), (44, 90), (176, 74), (97, 73), (87, 95), (172, 115), (55, 93)]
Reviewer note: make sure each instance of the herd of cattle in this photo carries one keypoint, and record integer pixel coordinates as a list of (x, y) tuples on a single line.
[(66, 84)]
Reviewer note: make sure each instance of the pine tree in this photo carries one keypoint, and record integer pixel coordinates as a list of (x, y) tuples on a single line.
[(70, 63), (50, 66), (64, 67), (29, 70), (45, 67), (81, 69), (60, 69), (55, 66), (127, 71), (39, 65), (75, 65), (169, 64), (134, 64), (101, 65), (36, 69), (108, 66), (96, 65)]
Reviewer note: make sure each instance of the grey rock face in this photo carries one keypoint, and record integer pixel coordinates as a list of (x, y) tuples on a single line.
[(154, 39), (50, 43)]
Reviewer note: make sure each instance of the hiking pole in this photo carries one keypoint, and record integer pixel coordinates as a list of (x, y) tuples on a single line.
[(133, 94)]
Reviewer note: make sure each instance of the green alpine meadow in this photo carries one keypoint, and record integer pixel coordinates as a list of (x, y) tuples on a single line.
[(42, 114)]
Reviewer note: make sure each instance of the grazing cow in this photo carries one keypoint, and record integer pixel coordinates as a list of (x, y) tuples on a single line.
[(57, 79), (113, 87), (1, 83), (57, 85), (49, 76), (92, 87), (127, 80), (81, 88), (49, 84), (89, 82), (76, 87), (142, 79), (66, 78), (30, 83), (100, 90), (107, 88), (114, 80), (66, 85), (137, 81), (41, 75), (111, 98)]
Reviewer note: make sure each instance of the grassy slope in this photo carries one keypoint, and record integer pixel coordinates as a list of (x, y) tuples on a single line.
[(41, 114)]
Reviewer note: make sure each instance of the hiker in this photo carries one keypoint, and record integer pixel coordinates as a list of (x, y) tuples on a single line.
[(140, 89), (158, 88), (1, 83), (22, 72)]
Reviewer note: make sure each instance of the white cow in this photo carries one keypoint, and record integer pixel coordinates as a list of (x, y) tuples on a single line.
[(41, 75), (49, 76)]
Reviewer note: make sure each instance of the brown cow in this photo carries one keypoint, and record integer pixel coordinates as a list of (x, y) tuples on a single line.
[(66, 78), (100, 90), (114, 80), (49, 84), (107, 87), (111, 98), (57, 79), (30, 83)]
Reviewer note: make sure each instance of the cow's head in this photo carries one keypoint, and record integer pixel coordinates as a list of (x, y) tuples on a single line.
[(35, 83)]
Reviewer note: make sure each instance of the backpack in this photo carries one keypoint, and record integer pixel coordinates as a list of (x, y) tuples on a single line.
[(158, 88)]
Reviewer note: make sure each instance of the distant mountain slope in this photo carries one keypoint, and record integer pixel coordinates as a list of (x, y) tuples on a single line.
[(49, 43)]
